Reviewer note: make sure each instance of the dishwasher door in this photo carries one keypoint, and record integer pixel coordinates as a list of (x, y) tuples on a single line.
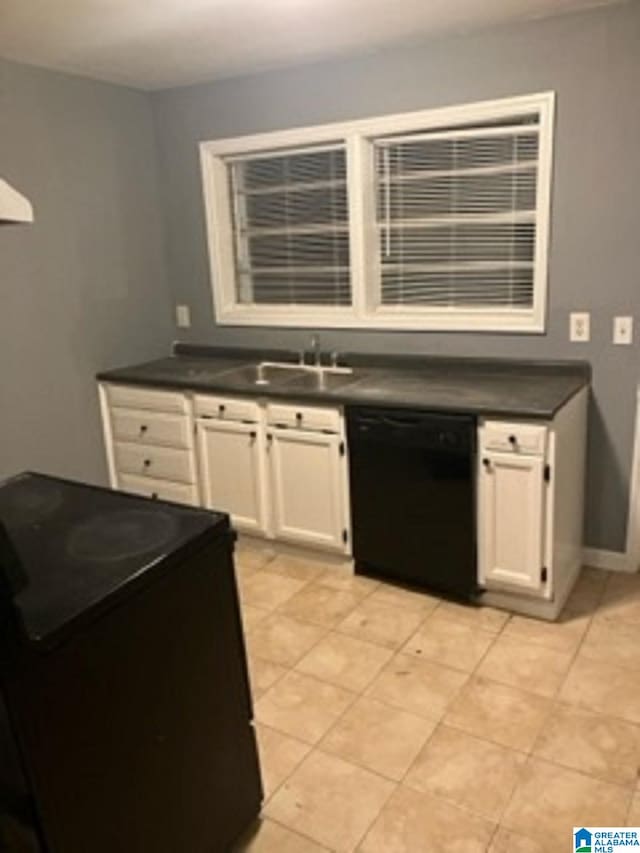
[(412, 479)]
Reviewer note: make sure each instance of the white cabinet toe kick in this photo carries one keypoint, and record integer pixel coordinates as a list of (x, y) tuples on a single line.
[(280, 470)]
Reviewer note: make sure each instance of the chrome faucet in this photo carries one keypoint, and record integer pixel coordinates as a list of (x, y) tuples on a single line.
[(315, 349)]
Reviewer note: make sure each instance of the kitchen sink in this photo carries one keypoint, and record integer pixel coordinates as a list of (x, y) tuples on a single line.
[(262, 374), (303, 377), (322, 380)]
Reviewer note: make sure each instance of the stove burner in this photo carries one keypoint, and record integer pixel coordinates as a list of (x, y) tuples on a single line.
[(119, 535), (31, 501)]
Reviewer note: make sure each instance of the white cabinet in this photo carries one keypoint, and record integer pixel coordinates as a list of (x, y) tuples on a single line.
[(149, 442), (232, 467), (307, 482), (512, 520), (530, 509)]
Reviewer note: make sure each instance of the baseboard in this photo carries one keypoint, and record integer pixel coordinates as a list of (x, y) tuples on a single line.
[(612, 561)]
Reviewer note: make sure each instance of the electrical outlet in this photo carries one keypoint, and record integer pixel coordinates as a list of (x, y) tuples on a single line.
[(183, 316), (580, 327), (623, 330)]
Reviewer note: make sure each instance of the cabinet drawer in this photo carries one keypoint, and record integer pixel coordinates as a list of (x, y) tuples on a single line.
[(165, 491), (513, 437), (150, 427), (226, 408), (162, 463), (305, 417), (133, 397)]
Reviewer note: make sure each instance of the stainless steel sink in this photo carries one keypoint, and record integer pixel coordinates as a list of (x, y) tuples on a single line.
[(262, 374), (322, 380), (300, 376)]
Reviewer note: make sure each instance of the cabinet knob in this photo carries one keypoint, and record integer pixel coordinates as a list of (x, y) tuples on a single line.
[(513, 439), (298, 416), (154, 496), (143, 427), (487, 463), (221, 408), (253, 434), (147, 462)]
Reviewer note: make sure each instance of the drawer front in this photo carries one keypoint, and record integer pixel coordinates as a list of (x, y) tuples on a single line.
[(514, 437), (132, 397), (148, 427), (165, 491), (161, 463), (304, 417), (226, 408)]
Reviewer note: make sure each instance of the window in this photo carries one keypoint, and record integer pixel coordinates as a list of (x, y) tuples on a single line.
[(429, 220)]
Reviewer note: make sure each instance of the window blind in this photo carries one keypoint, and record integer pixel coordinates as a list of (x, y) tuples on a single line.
[(290, 223), (456, 216)]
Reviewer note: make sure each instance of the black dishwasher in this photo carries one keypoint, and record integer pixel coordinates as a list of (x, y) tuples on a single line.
[(412, 497)]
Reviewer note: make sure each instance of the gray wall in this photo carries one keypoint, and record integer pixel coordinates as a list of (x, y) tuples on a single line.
[(592, 61), (83, 288)]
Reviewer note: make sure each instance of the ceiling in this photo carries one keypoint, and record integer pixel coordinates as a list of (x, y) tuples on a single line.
[(154, 44)]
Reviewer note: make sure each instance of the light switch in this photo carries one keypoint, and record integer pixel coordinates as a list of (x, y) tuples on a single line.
[(183, 316), (623, 330), (580, 327)]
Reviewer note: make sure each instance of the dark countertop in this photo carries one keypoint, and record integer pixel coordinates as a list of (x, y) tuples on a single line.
[(501, 387)]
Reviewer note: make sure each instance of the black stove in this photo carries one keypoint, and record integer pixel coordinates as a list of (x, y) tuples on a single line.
[(78, 545), (125, 712)]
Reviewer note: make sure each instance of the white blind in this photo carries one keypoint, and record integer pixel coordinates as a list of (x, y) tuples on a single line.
[(456, 216), (291, 227)]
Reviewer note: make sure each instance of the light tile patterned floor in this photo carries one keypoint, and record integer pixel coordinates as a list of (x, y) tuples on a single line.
[(389, 721)]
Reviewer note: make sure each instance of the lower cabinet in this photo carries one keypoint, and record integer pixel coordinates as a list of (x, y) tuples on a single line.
[(278, 470), (530, 509), (232, 471), (512, 497), (307, 486)]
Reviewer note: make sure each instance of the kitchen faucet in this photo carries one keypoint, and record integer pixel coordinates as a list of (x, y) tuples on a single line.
[(315, 349)]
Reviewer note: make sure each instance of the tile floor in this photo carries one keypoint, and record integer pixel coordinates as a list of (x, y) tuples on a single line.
[(389, 721)]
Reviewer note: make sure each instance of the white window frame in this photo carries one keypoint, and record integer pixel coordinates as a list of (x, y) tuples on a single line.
[(358, 136)]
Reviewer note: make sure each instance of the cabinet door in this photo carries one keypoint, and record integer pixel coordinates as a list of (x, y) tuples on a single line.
[(307, 486), (232, 471), (511, 528)]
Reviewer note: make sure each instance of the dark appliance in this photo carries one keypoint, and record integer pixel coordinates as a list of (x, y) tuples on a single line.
[(412, 497), (125, 713)]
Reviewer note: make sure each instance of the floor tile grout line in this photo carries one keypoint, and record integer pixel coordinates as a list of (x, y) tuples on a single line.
[(458, 728), (301, 834), (358, 844), (403, 708), (450, 802), (523, 755), (293, 769)]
